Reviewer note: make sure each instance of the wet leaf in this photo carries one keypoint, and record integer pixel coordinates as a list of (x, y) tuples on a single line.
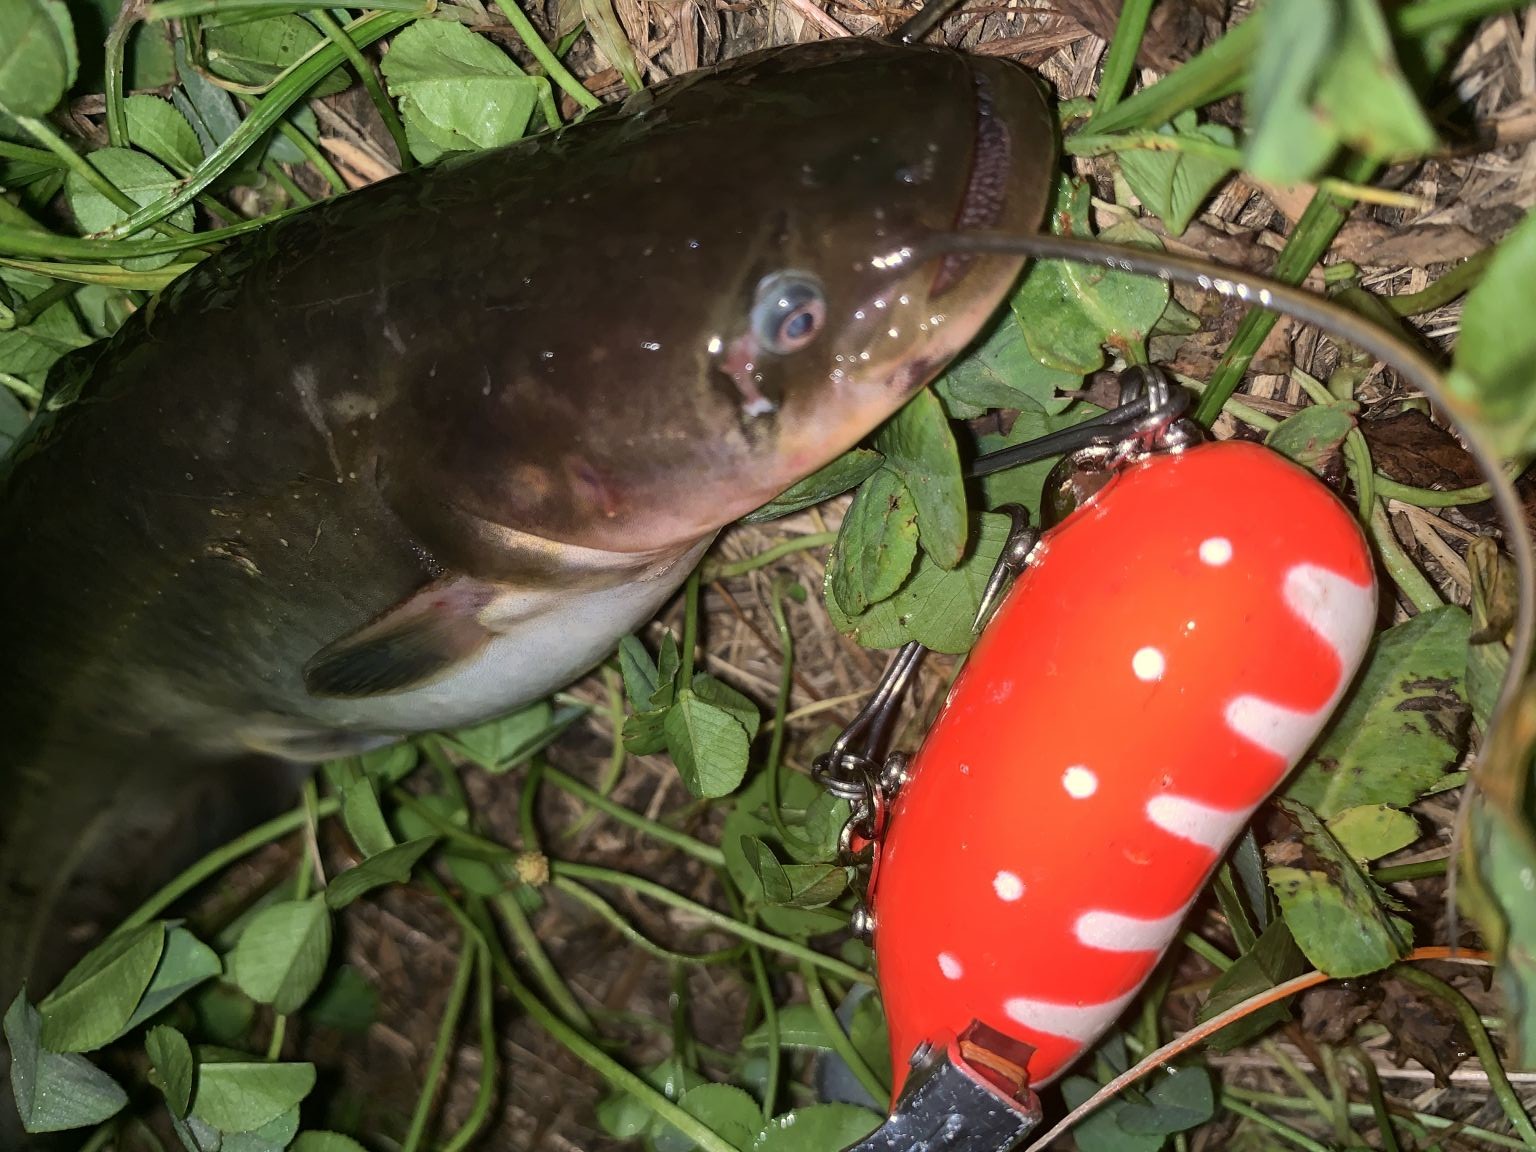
[(1172, 185), (96, 1000), (171, 1056), (185, 963), (54, 1092), (733, 1115), (708, 744), (156, 127), (817, 1128), (920, 448), (282, 954), (848, 471), (1071, 311), (877, 543), (1403, 723), (1173, 1101), (799, 1027), (242, 1096), (1334, 910), (1370, 831), (37, 55), (1314, 435), (934, 607), (392, 865), (1495, 359), (457, 91), (255, 52)]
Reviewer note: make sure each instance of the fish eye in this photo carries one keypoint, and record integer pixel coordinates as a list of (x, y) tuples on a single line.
[(789, 311)]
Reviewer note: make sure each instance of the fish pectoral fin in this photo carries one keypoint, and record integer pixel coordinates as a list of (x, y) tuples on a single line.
[(413, 643)]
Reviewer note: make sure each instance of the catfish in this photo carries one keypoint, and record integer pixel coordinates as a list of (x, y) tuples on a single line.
[(424, 453)]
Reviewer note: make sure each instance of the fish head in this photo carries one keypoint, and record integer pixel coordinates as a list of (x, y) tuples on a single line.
[(755, 305)]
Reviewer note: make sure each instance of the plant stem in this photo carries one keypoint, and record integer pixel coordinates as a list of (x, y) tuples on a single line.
[(1456, 282), (551, 64), (1503, 1091), (1284, 1131), (684, 843), (611, 914), (323, 20), (485, 1093), (720, 920), (1421, 870), (690, 628), (1313, 233), (841, 1044), (527, 941), (442, 1047), (1120, 62), (222, 857), (1405, 574), (713, 572)]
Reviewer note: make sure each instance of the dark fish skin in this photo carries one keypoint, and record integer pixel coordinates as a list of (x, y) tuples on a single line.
[(442, 441)]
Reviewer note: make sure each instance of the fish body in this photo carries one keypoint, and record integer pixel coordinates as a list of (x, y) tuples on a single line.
[(424, 453)]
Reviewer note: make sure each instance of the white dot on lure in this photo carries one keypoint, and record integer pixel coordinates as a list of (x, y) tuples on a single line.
[(950, 966), (1149, 664), (1079, 782), (1007, 886), (1216, 551)]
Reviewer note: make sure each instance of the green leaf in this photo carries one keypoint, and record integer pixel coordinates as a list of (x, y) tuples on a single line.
[(256, 52), (273, 1136), (723, 696), (799, 1027), (1404, 723), (849, 470), (208, 108), (1003, 373), (37, 53), (185, 963), (325, 1142), (934, 607), (1273, 959), (224, 1013), (1024, 484), (1364, 94), (611, 40), (817, 1128), (1371, 831), (747, 821), (1333, 909), (1495, 359), (390, 764), (502, 744), (638, 671), (457, 91), (733, 1115), (30, 352), (363, 817), (1173, 184), (242, 1096), (1175, 1101), (54, 1092), (794, 885), (1101, 1132), (346, 1002), (877, 543), (391, 866), (171, 1056), (708, 744), (1070, 311), (920, 448), (156, 127), (96, 1000), (1287, 139), (141, 179), (281, 956), (1314, 435), (1496, 890), (13, 417)]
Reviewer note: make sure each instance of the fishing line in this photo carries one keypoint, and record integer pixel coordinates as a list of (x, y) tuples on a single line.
[(1340, 323)]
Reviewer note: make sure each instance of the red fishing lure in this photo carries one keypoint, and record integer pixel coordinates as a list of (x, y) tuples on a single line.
[(1166, 656)]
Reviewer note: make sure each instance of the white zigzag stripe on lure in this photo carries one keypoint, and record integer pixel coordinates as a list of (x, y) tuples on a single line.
[(1338, 611), (1196, 822), (1341, 613), (1114, 932), (1080, 1022)]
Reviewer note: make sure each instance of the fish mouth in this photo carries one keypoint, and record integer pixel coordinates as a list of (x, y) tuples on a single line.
[(986, 188)]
